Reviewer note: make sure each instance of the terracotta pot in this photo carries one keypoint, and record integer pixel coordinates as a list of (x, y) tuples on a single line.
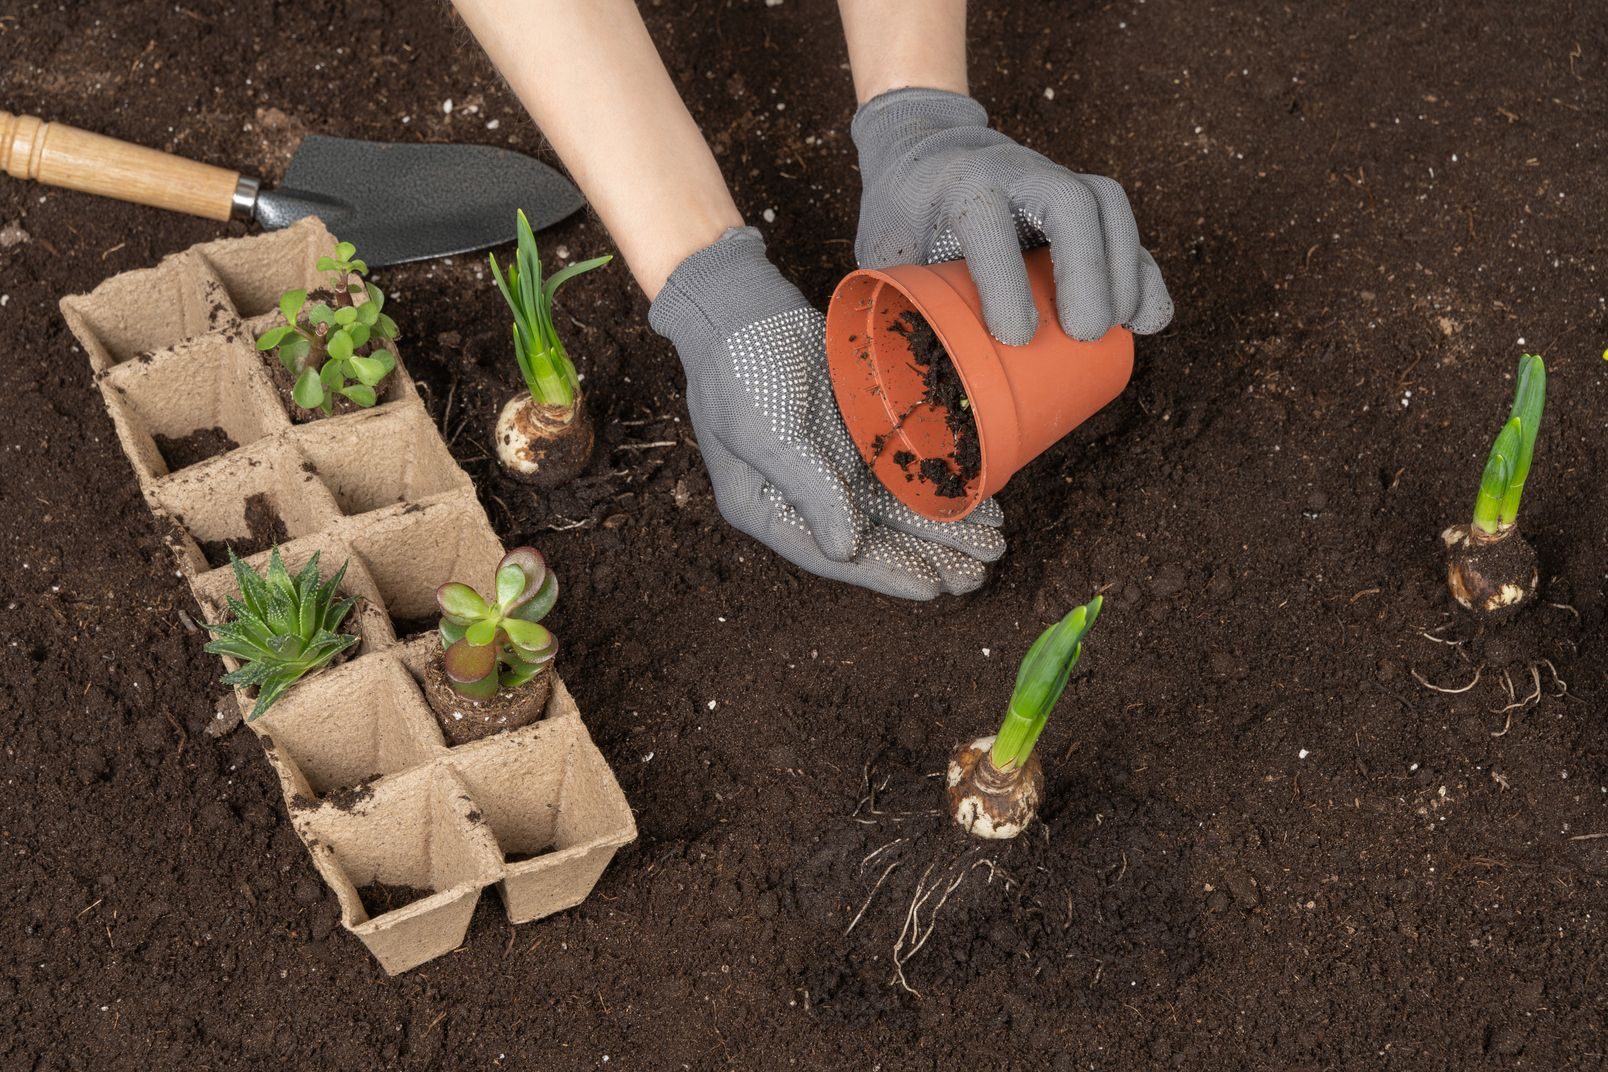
[(1023, 398)]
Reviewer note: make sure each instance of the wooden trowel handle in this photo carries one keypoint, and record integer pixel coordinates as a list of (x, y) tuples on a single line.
[(59, 155)]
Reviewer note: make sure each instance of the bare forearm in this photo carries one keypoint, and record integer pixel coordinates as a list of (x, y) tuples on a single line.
[(589, 75), (895, 44)]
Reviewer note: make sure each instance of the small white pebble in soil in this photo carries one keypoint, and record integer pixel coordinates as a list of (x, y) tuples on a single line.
[(446, 106), (770, 215), (1302, 754), (773, 3), (987, 652), (563, 253), (711, 705), (1049, 94), (493, 124), (4, 298)]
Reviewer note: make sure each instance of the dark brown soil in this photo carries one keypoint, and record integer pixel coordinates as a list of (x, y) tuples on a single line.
[(949, 475), (198, 446), (264, 529), (1269, 846), (381, 897)]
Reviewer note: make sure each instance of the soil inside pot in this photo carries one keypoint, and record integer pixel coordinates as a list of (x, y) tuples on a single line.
[(381, 897), (950, 474), (412, 627), (463, 720), (264, 529), (198, 446), (285, 382)]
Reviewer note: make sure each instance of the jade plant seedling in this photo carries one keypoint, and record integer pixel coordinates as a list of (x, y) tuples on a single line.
[(995, 783), (281, 627), (1490, 569), (543, 435), (334, 349), (499, 643)]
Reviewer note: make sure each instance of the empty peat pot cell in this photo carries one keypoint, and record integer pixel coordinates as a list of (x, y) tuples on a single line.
[(413, 552), (188, 401), (255, 271), (338, 732), (553, 806), (407, 863), (132, 316), (379, 458), (249, 501), (213, 589)]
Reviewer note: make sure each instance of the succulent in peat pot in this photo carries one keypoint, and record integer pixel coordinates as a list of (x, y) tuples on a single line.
[(995, 783), (494, 670), (281, 627), (334, 349), (543, 435), (1490, 569)]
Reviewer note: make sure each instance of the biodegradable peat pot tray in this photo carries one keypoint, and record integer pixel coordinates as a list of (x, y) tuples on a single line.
[(406, 829), (900, 411)]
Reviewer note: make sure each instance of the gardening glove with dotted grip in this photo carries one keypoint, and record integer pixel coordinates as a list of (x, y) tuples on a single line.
[(939, 185), (782, 465)]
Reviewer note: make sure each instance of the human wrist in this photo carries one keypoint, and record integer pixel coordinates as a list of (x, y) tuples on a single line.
[(719, 289)]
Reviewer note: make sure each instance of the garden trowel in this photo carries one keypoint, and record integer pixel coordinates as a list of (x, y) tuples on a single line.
[(394, 202)]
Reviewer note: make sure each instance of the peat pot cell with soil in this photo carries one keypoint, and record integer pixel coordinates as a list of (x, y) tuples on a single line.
[(184, 451), (264, 529), (333, 353), (494, 672)]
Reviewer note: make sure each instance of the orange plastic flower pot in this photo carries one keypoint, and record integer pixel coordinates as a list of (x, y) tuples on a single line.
[(1022, 398)]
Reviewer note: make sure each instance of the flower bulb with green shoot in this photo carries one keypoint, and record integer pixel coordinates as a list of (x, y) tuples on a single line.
[(281, 627), (995, 783), (493, 674), (334, 349), (1490, 569), (543, 435)]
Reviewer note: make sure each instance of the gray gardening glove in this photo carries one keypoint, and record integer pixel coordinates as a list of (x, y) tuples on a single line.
[(939, 185), (783, 467)]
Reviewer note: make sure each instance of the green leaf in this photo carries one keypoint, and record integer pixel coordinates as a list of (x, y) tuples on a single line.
[(460, 603), (535, 608), (345, 315), (359, 334), (387, 327), (290, 304), (332, 375), (321, 314), (531, 637), (386, 359), (368, 314), (564, 275), (510, 583), (359, 393), (1040, 681), (360, 267), (344, 251), (324, 264), (482, 632), (451, 632), (272, 338), (339, 344), (376, 296), (1529, 399), (368, 370), (308, 392), (293, 351)]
